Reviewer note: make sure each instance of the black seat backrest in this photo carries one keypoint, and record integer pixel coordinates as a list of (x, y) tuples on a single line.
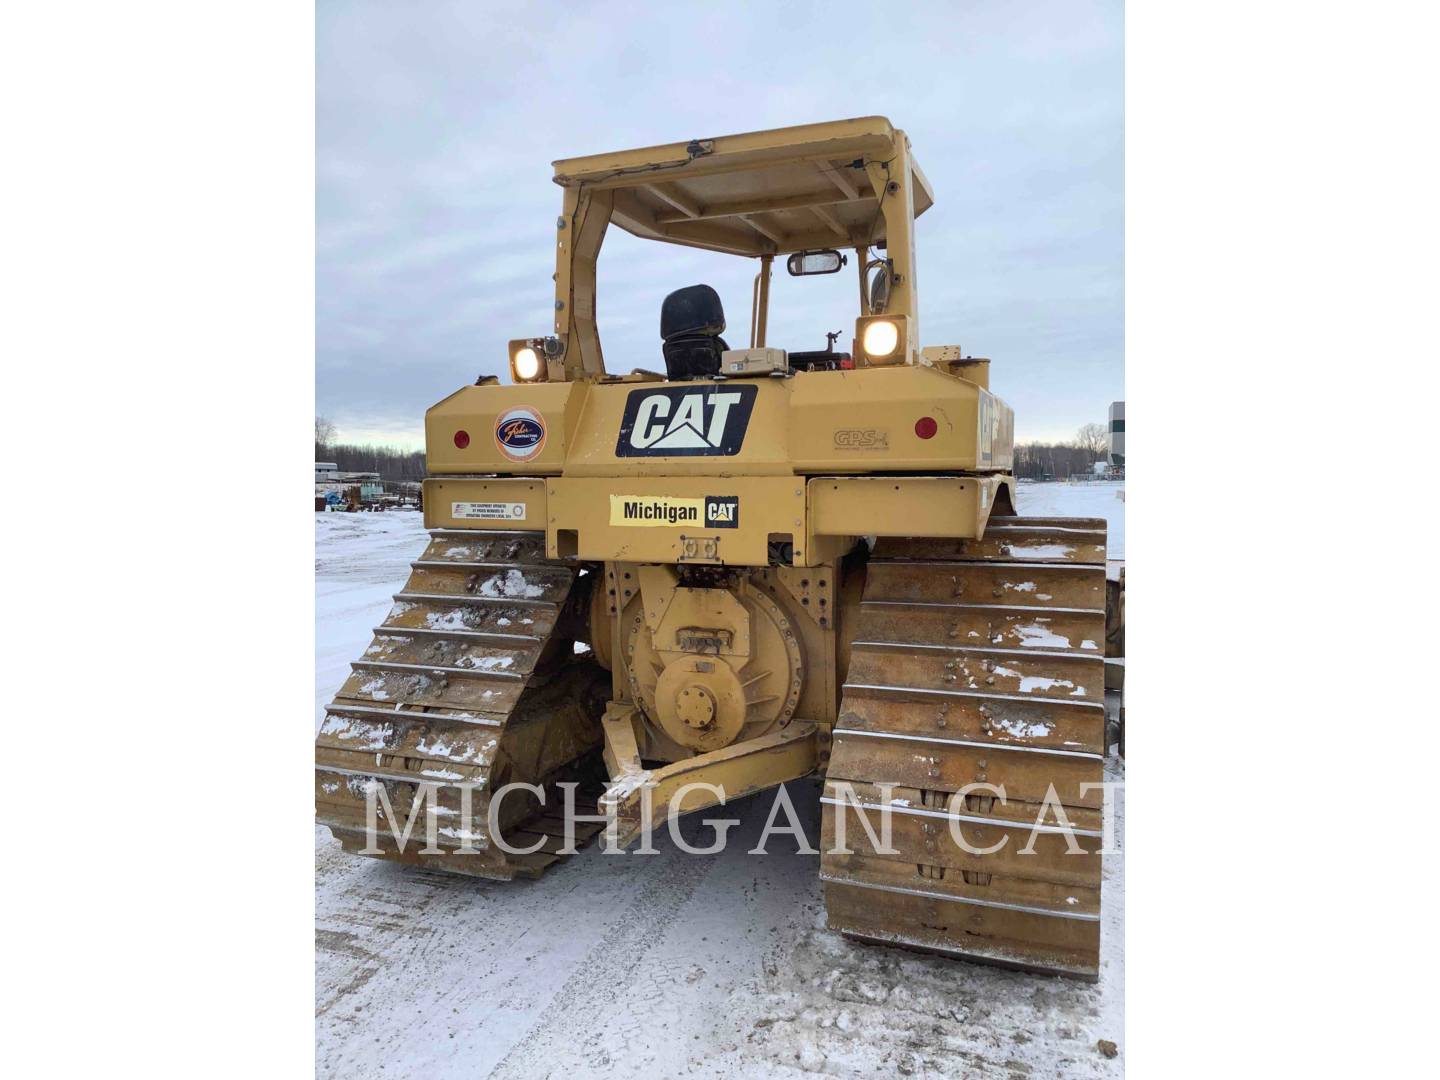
[(691, 322)]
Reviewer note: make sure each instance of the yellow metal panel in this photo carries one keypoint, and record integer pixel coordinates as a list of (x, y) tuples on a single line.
[(744, 511), (816, 422), (479, 411), (485, 504), (864, 420), (899, 506)]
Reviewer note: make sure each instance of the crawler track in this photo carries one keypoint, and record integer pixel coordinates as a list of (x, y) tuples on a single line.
[(975, 662), (471, 680)]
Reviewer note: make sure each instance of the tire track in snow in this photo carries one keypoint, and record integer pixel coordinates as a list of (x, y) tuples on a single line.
[(599, 988)]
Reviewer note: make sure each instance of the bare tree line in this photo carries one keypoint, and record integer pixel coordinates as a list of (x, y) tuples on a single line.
[(1059, 460), (392, 464)]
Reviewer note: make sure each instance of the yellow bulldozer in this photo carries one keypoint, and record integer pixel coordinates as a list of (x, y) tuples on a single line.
[(775, 563)]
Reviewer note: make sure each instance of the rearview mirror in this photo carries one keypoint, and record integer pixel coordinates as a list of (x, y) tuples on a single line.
[(823, 261), (879, 286)]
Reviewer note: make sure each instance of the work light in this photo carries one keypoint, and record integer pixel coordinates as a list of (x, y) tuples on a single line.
[(883, 338), (526, 363), (880, 338)]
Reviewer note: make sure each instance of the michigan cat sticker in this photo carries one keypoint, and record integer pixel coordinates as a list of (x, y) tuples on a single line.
[(710, 512), (722, 511), (685, 421)]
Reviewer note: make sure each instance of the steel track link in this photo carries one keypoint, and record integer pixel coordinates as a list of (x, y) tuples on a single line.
[(472, 681), (975, 663)]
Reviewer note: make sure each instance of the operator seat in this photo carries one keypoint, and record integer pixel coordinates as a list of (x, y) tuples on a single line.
[(691, 322)]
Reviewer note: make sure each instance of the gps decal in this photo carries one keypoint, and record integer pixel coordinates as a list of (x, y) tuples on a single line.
[(675, 421), (520, 433)]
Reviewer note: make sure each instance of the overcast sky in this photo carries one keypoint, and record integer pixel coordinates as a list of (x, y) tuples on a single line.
[(437, 124)]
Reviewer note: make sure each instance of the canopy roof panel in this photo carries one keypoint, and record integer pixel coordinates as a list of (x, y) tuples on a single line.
[(766, 192)]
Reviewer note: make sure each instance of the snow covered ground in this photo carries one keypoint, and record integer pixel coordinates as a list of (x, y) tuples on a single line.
[(1095, 498), (660, 965)]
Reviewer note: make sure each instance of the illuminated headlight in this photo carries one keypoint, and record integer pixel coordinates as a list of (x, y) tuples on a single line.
[(527, 364), (880, 339), (883, 339)]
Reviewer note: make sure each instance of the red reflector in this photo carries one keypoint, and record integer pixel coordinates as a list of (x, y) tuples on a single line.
[(462, 438), (926, 427)]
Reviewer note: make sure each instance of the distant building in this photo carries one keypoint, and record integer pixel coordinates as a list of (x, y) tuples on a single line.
[(1117, 435), (365, 486)]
